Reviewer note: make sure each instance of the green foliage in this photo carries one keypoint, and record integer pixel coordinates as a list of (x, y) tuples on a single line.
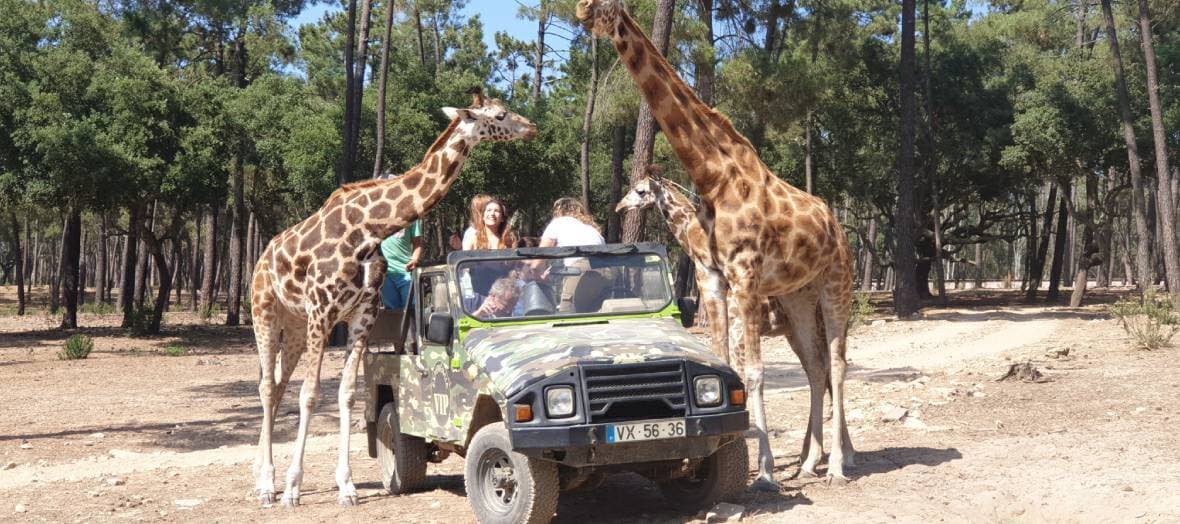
[(93, 308), (174, 350), (860, 311), (76, 347), (141, 321), (1150, 320)]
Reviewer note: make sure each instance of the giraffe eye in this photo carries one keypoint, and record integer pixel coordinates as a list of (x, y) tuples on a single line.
[(502, 116)]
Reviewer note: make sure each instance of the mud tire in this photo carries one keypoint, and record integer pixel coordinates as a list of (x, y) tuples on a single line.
[(526, 495), (721, 476), (402, 457)]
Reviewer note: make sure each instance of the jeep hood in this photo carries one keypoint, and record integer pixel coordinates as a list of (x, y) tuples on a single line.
[(513, 356)]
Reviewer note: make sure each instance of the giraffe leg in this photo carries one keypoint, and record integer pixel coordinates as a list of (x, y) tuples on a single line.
[(835, 299), (317, 334), (714, 293), (800, 310), (358, 329), (749, 308), (266, 334)]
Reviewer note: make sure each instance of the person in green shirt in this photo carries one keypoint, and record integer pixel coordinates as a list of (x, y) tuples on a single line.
[(402, 251)]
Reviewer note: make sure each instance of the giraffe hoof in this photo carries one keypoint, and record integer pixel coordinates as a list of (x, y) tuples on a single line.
[(765, 485), (266, 499), (348, 501), (806, 474), (290, 502), (837, 480)]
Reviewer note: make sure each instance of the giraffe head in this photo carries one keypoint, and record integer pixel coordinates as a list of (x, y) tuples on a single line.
[(644, 191), (600, 17), (488, 119)]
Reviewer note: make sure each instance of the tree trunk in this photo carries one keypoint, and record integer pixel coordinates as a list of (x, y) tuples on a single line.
[(101, 264), (71, 251), (870, 261), (418, 26), (14, 226), (1059, 246), (706, 70), (1143, 246), (348, 155), (141, 261), (587, 119), (381, 86), (361, 62), (130, 255), (539, 56), (978, 266), (209, 272), (1037, 269), (438, 54), (1165, 197), (1090, 251), (236, 246), (807, 174), (613, 225), (905, 297), (645, 128), (82, 266)]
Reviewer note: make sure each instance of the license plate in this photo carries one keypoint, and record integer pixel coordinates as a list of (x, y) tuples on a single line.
[(644, 430)]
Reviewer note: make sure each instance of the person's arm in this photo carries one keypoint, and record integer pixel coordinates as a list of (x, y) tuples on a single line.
[(469, 239), (416, 255)]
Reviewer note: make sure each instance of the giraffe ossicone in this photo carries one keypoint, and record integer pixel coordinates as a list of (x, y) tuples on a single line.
[(328, 269)]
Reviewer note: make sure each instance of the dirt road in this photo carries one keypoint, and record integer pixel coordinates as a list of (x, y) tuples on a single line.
[(134, 434)]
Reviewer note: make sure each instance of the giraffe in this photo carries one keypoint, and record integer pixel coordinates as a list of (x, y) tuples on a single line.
[(766, 237), (680, 213), (328, 269)]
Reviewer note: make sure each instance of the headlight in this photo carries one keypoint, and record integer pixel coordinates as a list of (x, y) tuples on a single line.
[(559, 401), (707, 390)]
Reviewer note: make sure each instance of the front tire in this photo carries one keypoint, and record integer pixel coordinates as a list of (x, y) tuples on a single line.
[(505, 486), (402, 457), (721, 476)]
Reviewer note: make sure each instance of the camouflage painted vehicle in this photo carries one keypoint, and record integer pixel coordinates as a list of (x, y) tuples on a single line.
[(548, 368)]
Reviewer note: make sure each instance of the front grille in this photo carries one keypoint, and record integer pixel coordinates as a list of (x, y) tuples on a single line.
[(648, 390)]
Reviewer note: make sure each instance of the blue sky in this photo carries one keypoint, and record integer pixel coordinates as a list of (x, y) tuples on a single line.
[(497, 15)]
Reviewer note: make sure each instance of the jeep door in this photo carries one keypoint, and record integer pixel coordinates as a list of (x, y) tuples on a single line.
[(427, 404)]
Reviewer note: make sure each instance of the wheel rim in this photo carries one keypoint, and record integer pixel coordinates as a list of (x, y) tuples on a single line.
[(498, 479)]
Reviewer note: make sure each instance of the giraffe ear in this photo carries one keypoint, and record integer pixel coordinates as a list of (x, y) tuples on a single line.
[(453, 113)]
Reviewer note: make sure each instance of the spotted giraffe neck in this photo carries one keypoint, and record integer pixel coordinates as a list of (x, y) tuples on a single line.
[(681, 215), (698, 134), (391, 205)]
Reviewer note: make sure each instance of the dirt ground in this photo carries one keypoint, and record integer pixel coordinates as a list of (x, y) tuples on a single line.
[(133, 434)]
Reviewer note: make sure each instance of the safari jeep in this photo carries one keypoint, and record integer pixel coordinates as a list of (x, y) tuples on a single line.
[(547, 369)]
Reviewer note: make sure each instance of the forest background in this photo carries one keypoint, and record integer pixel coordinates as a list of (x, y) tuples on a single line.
[(150, 149)]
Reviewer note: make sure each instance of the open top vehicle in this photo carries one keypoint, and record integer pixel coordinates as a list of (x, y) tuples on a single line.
[(548, 368)]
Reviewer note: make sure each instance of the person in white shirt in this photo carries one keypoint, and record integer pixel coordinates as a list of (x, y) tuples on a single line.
[(571, 225)]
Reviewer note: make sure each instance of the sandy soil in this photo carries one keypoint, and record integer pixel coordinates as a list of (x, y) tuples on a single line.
[(133, 434)]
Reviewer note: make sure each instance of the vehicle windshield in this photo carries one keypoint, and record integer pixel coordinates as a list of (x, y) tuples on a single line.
[(595, 284)]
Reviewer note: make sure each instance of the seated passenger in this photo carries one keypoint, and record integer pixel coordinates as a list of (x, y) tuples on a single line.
[(500, 301)]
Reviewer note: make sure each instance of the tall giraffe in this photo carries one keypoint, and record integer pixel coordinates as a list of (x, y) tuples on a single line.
[(680, 213), (766, 237), (328, 269)]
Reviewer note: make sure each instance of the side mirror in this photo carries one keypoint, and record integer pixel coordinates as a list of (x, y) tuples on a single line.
[(688, 310), (439, 328)]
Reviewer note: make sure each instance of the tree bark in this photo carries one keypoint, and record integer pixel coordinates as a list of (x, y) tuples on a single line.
[(543, 15), (348, 155), (978, 266), (706, 70), (1165, 198), (587, 120), (1059, 246), (209, 272), (870, 259), (71, 253), (418, 26), (905, 296), (236, 246), (14, 226), (1037, 267), (141, 261), (130, 255), (381, 87), (101, 263), (613, 223), (645, 128), (82, 266), (361, 62), (1143, 246)]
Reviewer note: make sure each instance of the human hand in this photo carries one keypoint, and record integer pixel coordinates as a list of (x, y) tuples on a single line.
[(411, 265)]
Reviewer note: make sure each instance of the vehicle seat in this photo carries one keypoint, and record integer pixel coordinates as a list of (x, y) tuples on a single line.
[(590, 291)]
